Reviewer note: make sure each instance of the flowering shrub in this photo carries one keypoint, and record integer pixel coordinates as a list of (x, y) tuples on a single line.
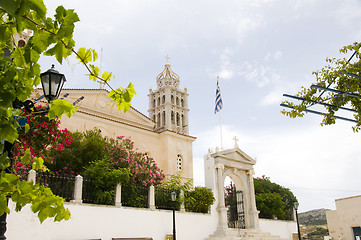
[(85, 148), (42, 135), (143, 169)]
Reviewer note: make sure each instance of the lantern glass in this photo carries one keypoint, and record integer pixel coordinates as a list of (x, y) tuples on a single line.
[(52, 82), (173, 196), (296, 204)]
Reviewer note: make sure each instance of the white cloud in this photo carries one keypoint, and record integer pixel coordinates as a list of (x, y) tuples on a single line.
[(273, 97)]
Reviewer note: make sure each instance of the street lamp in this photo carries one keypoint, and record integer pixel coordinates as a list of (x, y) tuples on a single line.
[(52, 82), (174, 198), (296, 204)]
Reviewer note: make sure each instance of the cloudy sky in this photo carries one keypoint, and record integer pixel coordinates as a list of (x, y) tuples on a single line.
[(260, 49)]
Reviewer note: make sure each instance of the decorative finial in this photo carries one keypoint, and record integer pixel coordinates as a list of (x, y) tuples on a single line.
[(235, 142), (167, 57)]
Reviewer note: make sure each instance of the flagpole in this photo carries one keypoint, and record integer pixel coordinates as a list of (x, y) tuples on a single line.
[(219, 106), (220, 129)]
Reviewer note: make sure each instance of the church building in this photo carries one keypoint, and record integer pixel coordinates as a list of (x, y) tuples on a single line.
[(164, 135)]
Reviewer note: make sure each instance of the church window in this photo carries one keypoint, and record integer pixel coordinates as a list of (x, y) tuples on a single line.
[(172, 99), (178, 120), (182, 103), (21, 43), (179, 162), (158, 101), (163, 99), (163, 118), (154, 103), (158, 120), (177, 101), (172, 117)]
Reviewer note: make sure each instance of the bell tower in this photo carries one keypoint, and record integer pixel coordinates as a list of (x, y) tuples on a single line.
[(168, 105)]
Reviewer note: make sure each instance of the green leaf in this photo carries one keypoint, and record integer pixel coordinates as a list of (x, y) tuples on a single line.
[(8, 132), (11, 6), (27, 128), (31, 55), (26, 157), (84, 55), (95, 55), (106, 76), (95, 72), (41, 41), (59, 51), (4, 161), (38, 163), (66, 19), (60, 106), (4, 205), (38, 6)]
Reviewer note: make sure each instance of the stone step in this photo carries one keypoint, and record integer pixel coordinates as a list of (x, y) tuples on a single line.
[(243, 234)]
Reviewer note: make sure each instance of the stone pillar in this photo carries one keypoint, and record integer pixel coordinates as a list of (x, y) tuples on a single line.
[(254, 212), (118, 195), (222, 210), (151, 198), (182, 208), (32, 176), (78, 190)]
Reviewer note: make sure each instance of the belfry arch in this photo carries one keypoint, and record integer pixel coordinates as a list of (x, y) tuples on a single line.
[(237, 165)]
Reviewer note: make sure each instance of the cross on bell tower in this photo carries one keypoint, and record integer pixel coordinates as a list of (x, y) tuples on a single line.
[(168, 105)]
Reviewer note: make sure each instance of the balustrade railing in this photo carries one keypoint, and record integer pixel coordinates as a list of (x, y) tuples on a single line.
[(60, 185), (80, 190), (163, 199)]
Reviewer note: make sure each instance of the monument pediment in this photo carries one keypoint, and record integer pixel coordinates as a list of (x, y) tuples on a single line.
[(234, 157)]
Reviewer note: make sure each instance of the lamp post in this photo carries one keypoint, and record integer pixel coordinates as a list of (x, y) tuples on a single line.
[(52, 82), (174, 198), (296, 204)]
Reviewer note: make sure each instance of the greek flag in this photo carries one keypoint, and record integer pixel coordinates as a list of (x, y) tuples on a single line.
[(219, 104)]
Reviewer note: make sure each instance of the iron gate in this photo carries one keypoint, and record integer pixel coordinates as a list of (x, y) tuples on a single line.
[(235, 209)]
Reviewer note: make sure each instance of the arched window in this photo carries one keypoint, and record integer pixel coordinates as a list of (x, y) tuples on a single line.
[(177, 101), (178, 120), (182, 103), (163, 119), (21, 43), (172, 117), (179, 162), (158, 101), (158, 120), (154, 103), (163, 99), (172, 99)]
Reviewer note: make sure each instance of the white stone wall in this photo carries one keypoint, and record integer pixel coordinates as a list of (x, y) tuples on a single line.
[(106, 222), (284, 229)]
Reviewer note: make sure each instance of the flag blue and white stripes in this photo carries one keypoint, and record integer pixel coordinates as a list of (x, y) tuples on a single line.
[(219, 103)]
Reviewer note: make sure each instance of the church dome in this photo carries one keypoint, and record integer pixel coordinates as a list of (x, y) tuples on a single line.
[(167, 77)]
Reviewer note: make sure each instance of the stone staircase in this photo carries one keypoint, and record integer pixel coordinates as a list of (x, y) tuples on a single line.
[(243, 234)]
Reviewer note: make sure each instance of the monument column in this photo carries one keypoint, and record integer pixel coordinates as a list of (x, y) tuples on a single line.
[(222, 210), (254, 212)]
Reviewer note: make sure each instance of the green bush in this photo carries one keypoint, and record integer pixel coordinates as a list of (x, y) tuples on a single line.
[(104, 179), (273, 200), (198, 200)]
